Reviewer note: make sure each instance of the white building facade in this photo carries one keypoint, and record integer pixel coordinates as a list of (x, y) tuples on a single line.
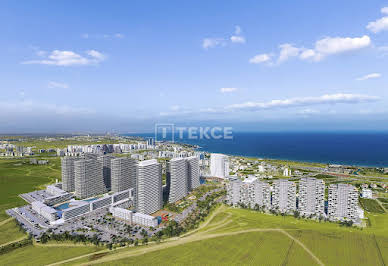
[(193, 172), (284, 196), (177, 179), (219, 165), (311, 197), (123, 172), (343, 202), (89, 180), (149, 198)]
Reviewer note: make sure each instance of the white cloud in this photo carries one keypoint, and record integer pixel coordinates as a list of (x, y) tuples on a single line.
[(370, 76), (213, 42), (305, 101), (69, 58), (237, 39), (53, 85), (324, 47), (99, 56), (378, 25), (260, 58), (286, 51), (310, 54), (336, 45), (225, 90)]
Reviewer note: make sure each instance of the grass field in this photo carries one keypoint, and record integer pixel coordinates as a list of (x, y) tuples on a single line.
[(237, 236), (18, 176), (248, 248), (39, 255), (9, 232), (371, 205)]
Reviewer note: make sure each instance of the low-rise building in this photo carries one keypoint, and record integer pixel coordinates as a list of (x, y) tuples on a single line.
[(45, 211), (134, 217), (367, 193)]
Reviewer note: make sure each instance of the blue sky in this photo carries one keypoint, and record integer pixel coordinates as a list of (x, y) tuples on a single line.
[(69, 66)]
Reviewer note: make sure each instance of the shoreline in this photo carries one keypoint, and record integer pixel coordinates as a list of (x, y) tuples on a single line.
[(199, 148)]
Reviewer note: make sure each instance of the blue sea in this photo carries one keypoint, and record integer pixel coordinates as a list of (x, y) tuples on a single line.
[(362, 149)]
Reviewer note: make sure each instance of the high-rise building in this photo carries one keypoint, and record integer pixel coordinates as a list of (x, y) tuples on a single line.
[(177, 179), (68, 173), (262, 194), (123, 172), (105, 161), (89, 155), (250, 192), (233, 188), (286, 172), (149, 186), (343, 202), (311, 196), (219, 165), (89, 180), (193, 172), (247, 192), (284, 196)]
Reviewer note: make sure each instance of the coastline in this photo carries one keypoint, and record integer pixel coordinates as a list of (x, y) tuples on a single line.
[(356, 149), (202, 149)]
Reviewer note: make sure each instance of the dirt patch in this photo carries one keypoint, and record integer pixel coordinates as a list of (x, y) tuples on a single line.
[(97, 256)]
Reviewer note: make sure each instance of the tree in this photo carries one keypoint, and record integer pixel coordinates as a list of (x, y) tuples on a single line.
[(144, 241), (143, 233)]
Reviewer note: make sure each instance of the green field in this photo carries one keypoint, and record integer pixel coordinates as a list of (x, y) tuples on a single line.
[(238, 236), (248, 248), (371, 205), (9, 232), (41, 255), (18, 176)]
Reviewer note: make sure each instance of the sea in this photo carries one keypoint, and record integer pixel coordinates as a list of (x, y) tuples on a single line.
[(346, 148)]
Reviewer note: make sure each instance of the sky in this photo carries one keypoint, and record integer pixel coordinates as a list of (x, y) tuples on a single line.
[(122, 66)]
